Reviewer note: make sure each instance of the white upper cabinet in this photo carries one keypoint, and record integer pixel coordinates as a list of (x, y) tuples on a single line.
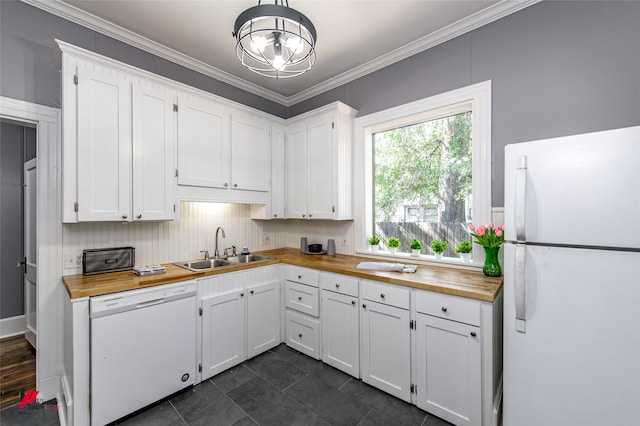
[(203, 142), (250, 152), (154, 139), (318, 164), (103, 144)]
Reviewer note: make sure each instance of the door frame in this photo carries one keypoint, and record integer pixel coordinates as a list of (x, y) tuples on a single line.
[(49, 237)]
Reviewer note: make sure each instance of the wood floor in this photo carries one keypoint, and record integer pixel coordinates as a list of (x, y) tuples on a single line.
[(17, 370)]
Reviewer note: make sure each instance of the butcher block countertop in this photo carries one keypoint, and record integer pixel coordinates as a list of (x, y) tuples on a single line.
[(459, 282)]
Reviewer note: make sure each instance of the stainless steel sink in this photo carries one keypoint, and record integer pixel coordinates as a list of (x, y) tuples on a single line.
[(200, 265), (203, 265), (249, 258)]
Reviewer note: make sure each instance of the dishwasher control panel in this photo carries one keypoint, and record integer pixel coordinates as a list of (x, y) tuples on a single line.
[(137, 299)]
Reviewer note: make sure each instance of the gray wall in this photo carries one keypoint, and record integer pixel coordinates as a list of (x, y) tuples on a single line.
[(557, 68), (31, 61)]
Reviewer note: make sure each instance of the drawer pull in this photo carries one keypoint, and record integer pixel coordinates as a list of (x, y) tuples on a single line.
[(337, 285), (300, 335), (444, 309), (251, 291), (473, 334), (299, 298), (382, 295), (299, 277), (139, 216), (353, 302), (364, 305), (241, 294), (124, 216)]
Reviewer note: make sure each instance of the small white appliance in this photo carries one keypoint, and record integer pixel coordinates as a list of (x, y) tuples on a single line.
[(143, 348), (572, 281)]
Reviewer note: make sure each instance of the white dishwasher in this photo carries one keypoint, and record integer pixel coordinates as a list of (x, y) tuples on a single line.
[(143, 348)]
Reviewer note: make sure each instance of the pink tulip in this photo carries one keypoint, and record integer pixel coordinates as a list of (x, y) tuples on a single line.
[(471, 227), (480, 230), (498, 232), (490, 225)]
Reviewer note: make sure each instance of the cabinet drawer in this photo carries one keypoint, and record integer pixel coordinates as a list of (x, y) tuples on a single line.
[(383, 293), (303, 334), (339, 283), (302, 275), (301, 297), (448, 307)]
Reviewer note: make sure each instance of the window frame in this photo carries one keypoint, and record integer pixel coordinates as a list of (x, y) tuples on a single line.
[(478, 97)]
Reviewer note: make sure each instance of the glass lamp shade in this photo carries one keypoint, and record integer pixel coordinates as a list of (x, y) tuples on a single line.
[(275, 41)]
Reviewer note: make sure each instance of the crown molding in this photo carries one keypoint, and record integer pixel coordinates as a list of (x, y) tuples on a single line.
[(479, 19)]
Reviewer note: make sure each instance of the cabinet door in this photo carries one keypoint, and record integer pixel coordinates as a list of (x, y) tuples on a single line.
[(385, 348), (223, 339), (154, 140), (263, 331), (296, 168), (203, 142), (104, 144), (341, 332), (448, 370), (277, 172), (322, 174), (250, 152)]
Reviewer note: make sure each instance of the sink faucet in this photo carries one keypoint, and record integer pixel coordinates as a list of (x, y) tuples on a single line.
[(206, 254), (216, 253)]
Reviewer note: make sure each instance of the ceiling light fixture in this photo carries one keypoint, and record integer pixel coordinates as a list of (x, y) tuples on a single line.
[(274, 40)]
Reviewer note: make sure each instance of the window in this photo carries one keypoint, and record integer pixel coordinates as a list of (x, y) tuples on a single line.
[(425, 171)]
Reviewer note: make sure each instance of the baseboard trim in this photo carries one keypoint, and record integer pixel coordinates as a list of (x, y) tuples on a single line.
[(13, 326)]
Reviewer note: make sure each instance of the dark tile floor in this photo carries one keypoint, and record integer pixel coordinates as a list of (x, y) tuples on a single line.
[(279, 387)]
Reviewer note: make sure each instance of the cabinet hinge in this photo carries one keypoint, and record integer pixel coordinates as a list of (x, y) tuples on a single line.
[(75, 207), (412, 324), (414, 388), (333, 125), (175, 107), (176, 172), (174, 208), (75, 79), (200, 311), (199, 368), (333, 209)]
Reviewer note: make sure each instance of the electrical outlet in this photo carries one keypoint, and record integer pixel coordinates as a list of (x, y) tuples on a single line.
[(345, 243), (72, 261), (264, 239)]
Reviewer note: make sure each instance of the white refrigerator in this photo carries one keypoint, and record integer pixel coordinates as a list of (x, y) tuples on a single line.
[(572, 281)]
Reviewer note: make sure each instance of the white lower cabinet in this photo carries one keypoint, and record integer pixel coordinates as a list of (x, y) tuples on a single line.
[(263, 318), (340, 323), (303, 333), (223, 328), (385, 341), (449, 369), (302, 302)]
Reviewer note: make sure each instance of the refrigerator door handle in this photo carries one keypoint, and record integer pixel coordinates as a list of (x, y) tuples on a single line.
[(519, 288), (520, 204)]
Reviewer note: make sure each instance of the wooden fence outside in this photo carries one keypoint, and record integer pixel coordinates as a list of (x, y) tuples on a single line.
[(425, 232)]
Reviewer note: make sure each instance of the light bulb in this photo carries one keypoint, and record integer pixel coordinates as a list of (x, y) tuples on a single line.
[(258, 44), (278, 62), (295, 44)]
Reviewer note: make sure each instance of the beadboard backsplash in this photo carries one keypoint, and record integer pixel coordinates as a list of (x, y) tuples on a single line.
[(164, 242)]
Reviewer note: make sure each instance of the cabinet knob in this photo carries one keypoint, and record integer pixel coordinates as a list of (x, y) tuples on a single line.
[(473, 334), (226, 184), (310, 215), (124, 216), (299, 298), (241, 294), (337, 285), (252, 291), (275, 215), (300, 335), (304, 215), (139, 216), (364, 305), (353, 302), (382, 295), (299, 277), (444, 309), (235, 185)]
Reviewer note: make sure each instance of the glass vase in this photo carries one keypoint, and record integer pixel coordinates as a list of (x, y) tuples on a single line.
[(491, 265)]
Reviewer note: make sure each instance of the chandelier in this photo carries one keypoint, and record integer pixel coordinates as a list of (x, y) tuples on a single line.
[(274, 40)]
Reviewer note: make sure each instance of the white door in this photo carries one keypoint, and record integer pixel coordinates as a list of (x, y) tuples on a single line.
[(341, 332), (263, 316), (296, 169), (321, 167), (449, 370), (203, 143), (30, 258), (154, 144), (104, 146), (250, 152), (385, 348), (223, 339)]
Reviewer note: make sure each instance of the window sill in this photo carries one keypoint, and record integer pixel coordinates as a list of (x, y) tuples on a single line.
[(423, 259)]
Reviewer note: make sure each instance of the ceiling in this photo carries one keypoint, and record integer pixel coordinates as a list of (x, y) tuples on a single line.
[(355, 37)]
